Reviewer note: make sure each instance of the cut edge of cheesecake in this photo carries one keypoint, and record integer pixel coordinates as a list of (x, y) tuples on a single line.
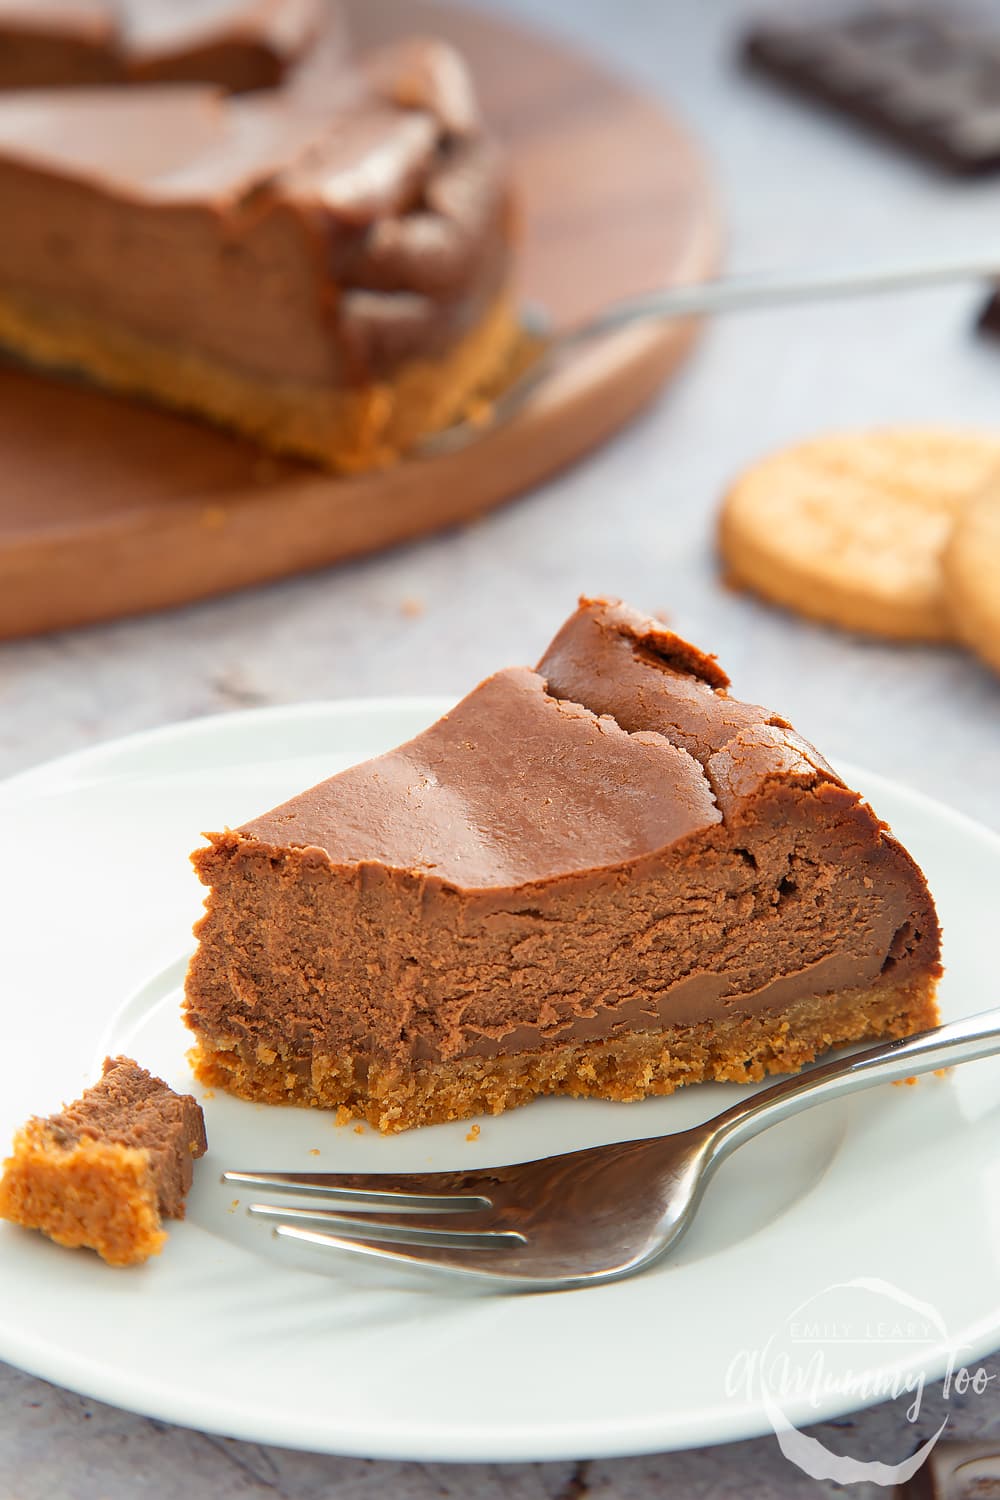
[(393, 1097), (347, 428), (604, 878)]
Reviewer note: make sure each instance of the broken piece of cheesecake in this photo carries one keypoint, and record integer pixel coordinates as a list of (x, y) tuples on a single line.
[(603, 877), (325, 269), (106, 1170)]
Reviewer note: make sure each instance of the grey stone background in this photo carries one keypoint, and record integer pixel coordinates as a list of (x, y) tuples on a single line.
[(636, 519)]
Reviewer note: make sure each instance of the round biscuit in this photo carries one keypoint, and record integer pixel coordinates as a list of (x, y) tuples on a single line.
[(850, 528), (971, 568)]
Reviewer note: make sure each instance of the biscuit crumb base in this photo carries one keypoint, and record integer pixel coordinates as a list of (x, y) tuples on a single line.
[(741, 1049)]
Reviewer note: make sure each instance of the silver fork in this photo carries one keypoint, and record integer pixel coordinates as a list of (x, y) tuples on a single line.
[(589, 1216), (699, 299)]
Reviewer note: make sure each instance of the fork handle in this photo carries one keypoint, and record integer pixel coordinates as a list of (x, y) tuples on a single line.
[(777, 289), (942, 1047)]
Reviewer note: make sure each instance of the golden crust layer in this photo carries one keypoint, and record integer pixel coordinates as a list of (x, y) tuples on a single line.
[(740, 1049), (86, 1193), (346, 428)]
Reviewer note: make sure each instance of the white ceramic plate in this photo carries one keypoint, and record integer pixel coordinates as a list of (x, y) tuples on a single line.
[(225, 1331)]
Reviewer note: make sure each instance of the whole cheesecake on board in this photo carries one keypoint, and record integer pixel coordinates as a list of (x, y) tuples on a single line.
[(603, 877), (325, 267)]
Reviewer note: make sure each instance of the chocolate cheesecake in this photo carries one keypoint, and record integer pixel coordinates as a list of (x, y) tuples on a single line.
[(239, 44), (324, 268), (602, 877), (106, 1170)]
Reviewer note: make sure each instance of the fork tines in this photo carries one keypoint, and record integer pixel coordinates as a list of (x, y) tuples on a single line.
[(380, 1226)]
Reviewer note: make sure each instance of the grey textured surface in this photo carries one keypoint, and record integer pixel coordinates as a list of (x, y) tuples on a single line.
[(635, 520)]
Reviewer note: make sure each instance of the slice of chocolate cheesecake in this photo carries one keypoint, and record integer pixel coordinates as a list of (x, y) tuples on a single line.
[(324, 268), (106, 1170), (239, 44), (603, 877)]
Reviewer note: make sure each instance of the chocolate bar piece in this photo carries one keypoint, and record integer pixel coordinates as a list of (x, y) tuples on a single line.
[(989, 319), (928, 80), (957, 1471)]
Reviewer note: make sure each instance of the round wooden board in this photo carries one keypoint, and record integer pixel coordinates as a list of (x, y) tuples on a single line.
[(110, 508)]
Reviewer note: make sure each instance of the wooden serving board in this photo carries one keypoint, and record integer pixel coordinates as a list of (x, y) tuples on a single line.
[(109, 508)]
